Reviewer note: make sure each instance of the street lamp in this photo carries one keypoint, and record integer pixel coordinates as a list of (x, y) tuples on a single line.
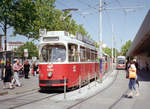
[(70, 9), (70, 15)]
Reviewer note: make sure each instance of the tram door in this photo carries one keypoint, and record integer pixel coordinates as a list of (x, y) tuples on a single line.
[(82, 61), (73, 58)]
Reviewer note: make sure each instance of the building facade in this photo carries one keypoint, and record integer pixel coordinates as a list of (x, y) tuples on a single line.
[(12, 45)]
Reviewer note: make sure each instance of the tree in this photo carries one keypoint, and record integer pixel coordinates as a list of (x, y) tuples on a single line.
[(32, 50), (6, 9), (107, 51), (32, 15), (125, 48)]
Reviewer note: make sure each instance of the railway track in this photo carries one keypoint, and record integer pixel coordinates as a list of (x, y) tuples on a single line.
[(25, 99), (83, 100), (33, 101)]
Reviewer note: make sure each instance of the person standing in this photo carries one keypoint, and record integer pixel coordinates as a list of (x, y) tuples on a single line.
[(35, 68), (132, 81), (137, 71), (16, 68), (26, 69), (7, 74)]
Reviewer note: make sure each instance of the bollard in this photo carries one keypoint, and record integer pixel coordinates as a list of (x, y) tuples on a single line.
[(101, 77), (95, 78), (79, 84), (64, 88), (88, 81)]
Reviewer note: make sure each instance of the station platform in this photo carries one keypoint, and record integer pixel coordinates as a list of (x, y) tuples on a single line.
[(114, 97), (27, 85)]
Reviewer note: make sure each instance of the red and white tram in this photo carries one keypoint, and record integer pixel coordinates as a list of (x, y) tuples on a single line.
[(65, 56)]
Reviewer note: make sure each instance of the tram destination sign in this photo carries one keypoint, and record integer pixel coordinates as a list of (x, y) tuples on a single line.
[(46, 39)]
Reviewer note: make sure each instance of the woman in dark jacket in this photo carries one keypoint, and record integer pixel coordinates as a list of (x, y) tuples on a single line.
[(7, 74), (26, 69)]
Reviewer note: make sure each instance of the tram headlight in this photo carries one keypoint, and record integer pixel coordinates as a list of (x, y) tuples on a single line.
[(50, 74)]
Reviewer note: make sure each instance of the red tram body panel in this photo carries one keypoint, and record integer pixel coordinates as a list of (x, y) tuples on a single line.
[(69, 71)]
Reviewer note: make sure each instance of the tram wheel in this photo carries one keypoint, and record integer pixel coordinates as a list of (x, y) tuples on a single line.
[(42, 89)]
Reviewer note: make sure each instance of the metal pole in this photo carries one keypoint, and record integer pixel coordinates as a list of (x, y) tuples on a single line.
[(64, 88), (88, 81), (100, 35), (115, 48), (95, 78), (100, 27), (112, 43), (79, 84), (95, 67)]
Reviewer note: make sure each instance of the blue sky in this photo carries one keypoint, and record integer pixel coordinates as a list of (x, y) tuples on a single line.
[(126, 25)]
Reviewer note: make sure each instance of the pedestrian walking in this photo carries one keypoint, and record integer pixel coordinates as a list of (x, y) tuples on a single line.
[(127, 68), (2, 68), (16, 68), (137, 71), (147, 66), (7, 75), (21, 72), (132, 80), (35, 68), (26, 69)]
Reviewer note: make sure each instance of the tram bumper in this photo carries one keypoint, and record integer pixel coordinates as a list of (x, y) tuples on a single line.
[(52, 83)]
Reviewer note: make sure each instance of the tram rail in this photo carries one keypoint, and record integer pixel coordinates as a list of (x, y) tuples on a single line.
[(84, 100)]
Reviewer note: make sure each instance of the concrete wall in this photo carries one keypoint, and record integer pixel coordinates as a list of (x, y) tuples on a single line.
[(142, 60), (141, 36)]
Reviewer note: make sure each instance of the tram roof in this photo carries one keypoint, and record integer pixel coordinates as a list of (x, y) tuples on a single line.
[(140, 44), (69, 38)]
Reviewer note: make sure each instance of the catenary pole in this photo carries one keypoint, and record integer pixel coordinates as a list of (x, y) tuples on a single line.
[(100, 40), (112, 44), (100, 28)]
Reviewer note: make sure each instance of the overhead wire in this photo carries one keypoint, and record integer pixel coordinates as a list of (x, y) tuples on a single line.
[(88, 5), (121, 6), (61, 3), (125, 20)]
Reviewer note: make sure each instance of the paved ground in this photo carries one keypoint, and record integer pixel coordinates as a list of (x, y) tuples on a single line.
[(27, 85), (113, 97), (109, 98)]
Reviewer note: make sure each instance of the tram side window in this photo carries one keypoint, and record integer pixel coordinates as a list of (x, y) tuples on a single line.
[(82, 54), (96, 56), (88, 54), (73, 53), (93, 55), (44, 55)]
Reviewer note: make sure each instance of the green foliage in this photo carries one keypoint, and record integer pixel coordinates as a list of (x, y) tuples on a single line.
[(125, 48), (117, 52), (32, 15), (107, 51), (28, 16), (32, 50), (6, 9)]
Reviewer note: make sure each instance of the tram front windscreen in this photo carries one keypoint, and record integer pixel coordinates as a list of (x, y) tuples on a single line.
[(53, 53)]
